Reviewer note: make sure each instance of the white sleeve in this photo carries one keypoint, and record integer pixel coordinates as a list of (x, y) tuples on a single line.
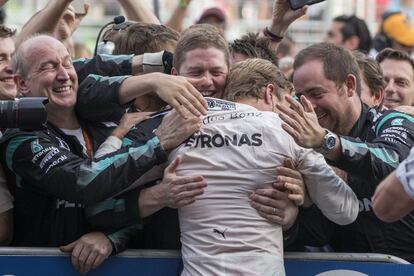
[(6, 199), (329, 192), (405, 174), (111, 144)]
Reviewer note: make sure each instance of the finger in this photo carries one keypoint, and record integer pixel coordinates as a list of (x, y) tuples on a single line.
[(75, 255), (272, 218), (266, 201), (288, 163), (297, 199), (266, 209), (307, 105), (279, 186), (89, 263), (186, 102), (291, 132), (186, 202), (191, 96), (292, 122), (294, 189), (68, 248), (184, 183), (173, 166), (99, 260), (181, 110), (295, 105), (286, 179), (197, 94), (284, 171), (83, 256), (189, 195)]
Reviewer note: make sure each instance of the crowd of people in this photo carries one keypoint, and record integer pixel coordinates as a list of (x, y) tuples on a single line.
[(233, 152)]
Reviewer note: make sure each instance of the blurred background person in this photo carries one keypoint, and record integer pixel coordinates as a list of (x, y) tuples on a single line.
[(395, 31), (350, 32)]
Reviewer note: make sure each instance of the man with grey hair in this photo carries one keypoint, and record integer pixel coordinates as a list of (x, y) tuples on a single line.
[(52, 172)]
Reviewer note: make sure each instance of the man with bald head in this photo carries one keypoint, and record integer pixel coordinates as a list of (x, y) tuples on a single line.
[(52, 172)]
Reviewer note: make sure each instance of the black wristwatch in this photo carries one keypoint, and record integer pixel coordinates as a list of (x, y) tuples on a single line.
[(329, 142)]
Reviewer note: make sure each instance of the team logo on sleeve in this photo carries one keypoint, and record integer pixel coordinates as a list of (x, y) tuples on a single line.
[(35, 146), (397, 122)]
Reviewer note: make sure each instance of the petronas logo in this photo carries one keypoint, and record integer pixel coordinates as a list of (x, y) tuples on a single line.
[(36, 147)]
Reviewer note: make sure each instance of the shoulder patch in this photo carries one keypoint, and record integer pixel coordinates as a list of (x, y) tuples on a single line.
[(397, 122), (35, 146)]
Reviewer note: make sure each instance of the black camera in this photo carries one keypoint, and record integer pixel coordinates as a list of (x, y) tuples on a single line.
[(25, 113)]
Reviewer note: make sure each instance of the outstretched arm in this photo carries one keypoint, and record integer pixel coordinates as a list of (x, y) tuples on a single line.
[(390, 201), (136, 10)]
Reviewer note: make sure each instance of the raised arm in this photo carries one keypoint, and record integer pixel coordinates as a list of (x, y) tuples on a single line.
[(44, 21), (282, 17), (136, 10), (176, 20)]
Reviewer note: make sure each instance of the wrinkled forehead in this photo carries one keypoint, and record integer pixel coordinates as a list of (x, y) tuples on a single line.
[(44, 49)]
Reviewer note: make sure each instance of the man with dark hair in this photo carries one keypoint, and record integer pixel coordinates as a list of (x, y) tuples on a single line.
[(350, 32), (363, 142), (252, 45), (398, 68), (372, 80), (7, 86)]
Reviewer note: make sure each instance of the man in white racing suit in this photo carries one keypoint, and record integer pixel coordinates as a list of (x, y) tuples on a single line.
[(237, 151)]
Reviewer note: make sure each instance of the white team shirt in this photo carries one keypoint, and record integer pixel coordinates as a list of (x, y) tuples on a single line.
[(237, 151)]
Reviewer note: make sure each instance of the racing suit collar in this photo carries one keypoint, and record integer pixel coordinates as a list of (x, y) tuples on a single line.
[(367, 117)]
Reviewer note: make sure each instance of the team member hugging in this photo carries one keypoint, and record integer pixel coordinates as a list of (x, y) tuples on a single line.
[(237, 151)]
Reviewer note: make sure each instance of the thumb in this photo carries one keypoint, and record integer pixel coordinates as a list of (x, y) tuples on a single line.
[(174, 165), (288, 162), (68, 248), (196, 82), (302, 11)]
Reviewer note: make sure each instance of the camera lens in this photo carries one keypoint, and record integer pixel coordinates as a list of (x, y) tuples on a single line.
[(24, 113)]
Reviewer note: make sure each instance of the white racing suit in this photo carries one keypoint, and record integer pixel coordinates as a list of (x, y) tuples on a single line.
[(237, 151)]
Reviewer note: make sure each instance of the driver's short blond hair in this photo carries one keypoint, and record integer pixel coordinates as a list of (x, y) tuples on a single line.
[(248, 77)]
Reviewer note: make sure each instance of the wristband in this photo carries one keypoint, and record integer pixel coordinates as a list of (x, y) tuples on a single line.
[(273, 37), (157, 62), (182, 4), (152, 62)]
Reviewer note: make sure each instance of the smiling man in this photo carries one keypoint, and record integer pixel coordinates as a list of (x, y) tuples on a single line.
[(7, 86), (363, 142), (203, 53), (52, 173), (398, 69)]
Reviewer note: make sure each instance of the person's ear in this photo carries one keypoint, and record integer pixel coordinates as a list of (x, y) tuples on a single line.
[(174, 71), (21, 85), (269, 93), (351, 86), (352, 43), (379, 97)]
